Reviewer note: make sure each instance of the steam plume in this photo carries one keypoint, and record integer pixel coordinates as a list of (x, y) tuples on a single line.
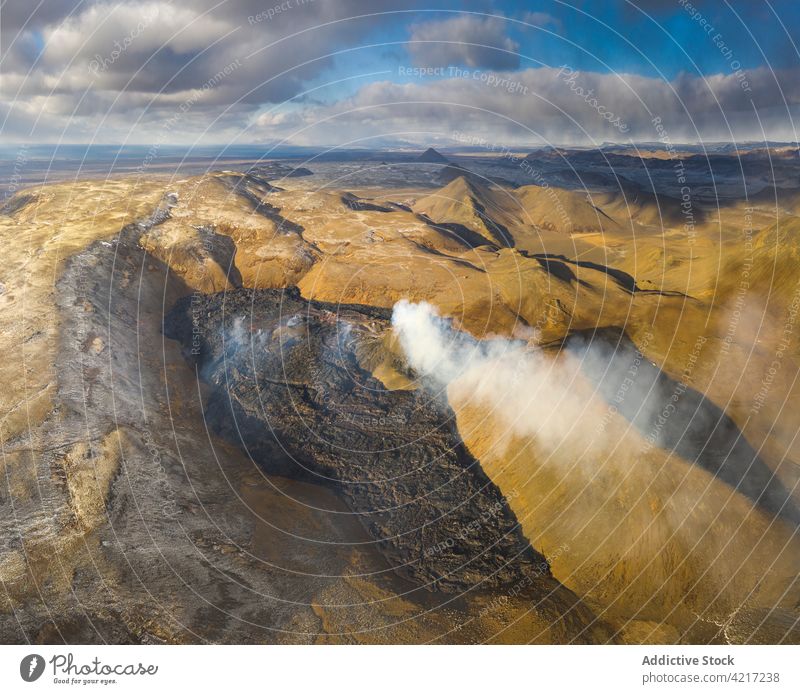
[(531, 393), (550, 401)]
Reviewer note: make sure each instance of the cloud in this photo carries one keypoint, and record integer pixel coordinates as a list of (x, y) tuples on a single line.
[(477, 42), (116, 70), (144, 28), (154, 52), (542, 19), (539, 104)]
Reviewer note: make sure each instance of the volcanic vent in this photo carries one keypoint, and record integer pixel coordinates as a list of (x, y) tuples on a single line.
[(287, 387)]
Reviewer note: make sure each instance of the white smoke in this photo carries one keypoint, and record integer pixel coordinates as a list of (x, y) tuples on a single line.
[(602, 452), (582, 403), (532, 394)]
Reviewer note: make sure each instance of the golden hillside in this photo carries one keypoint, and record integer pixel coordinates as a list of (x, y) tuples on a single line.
[(645, 537)]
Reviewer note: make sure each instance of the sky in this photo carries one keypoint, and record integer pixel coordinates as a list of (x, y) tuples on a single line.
[(349, 74)]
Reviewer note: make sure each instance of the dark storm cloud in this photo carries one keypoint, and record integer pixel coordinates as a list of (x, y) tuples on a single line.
[(158, 52), (33, 15), (472, 41), (541, 104), (119, 68)]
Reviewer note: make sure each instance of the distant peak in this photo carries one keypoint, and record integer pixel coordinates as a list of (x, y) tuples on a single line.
[(431, 156)]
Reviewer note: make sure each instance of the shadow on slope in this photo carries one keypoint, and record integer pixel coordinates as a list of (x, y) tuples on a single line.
[(674, 417)]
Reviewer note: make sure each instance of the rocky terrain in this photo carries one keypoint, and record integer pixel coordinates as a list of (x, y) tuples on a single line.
[(289, 388), (213, 431)]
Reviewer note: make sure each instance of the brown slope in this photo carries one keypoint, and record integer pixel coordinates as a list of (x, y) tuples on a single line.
[(487, 211), (567, 211), (644, 208)]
